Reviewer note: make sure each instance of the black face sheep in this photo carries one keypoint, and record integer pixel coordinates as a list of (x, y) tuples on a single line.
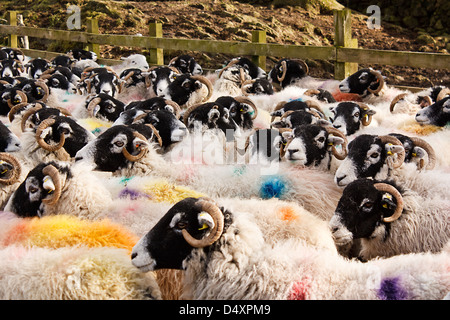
[(437, 114), (186, 64), (389, 219), (314, 145), (242, 110), (187, 90), (104, 106), (10, 68), (103, 80), (225, 256), (9, 142), (159, 78), (131, 77), (349, 116), (416, 149), (36, 67), (62, 60), (10, 97), (12, 53), (257, 87), (80, 54), (363, 82), (253, 70), (288, 71)]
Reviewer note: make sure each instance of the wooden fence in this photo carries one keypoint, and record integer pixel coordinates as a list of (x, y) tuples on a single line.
[(345, 53)]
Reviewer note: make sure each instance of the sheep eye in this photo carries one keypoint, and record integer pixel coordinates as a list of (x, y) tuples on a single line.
[(181, 225), (368, 205), (65, 131), (33, 190), (186, 84), (119, 143), (321, 139), (364, 77), (374, 155), (356, 114)]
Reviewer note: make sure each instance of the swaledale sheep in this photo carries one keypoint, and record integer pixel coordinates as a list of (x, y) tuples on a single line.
[(115, 151), (72, 273), (389, 220), (225, 256)]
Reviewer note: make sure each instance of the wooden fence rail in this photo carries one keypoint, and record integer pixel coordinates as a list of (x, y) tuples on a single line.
[(345, 53)]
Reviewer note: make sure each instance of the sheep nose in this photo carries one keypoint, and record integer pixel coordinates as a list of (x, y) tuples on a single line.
[(337, 126), (78, 159), (292, 151), (339, 179), (334, 229), (106, 91), (133, 255)]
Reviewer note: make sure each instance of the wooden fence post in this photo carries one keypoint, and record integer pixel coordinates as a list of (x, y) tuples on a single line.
[(343, 38), (259, 36), (156, 54), (92, 27), (12, 21)]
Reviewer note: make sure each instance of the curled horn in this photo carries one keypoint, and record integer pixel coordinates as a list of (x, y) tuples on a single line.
[(207, 83), (156, 133), (311, 92), (51, 171), (396, 100), (314, 105), (395, 141), (188, 112), (17, 169), (22, 95), (379, 79), (12, 112), (218, 218), (279, 106), (444, 92), (283, 148), (142, 152), (231, 63), (303, 64), (176, 107), (94, 102), (42, 126), (244, 86), (28, 114), (384, 187), (368, 118), (173, 60), (128, 76), (249, 102), (284, 65), (339, 155), (429, 149), (40, 83)]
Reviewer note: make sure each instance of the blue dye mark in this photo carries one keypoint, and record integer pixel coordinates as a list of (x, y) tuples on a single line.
[(390, 289), (272, 187)]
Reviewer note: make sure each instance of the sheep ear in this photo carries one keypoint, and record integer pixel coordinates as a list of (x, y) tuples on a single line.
[(446, 106), (334, 141), (138, 143), (287, 135), (393, 148), (419, 153), (205, 220), (387, 202)]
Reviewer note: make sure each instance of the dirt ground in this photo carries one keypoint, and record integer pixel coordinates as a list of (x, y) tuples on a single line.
[(231, 20)]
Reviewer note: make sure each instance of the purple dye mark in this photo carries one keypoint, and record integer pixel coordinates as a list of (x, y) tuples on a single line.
[(132, 194), (390, 289)]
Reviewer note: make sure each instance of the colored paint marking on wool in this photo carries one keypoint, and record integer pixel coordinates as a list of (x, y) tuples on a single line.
[(272, 187), (390, 289), (287, 214), (300, 289)]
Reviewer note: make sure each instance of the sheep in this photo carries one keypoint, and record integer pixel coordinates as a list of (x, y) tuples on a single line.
[(123, 152), (72, 273), (12, 53), (36, 67), (349, 116), (225, 256), (10, 97), (186, 64), (390, 220), (257, 87), (158, 79), (62, 60), (437, 114), (56, 138), (80, 54), (102, 80), (10, 68), (132, 61), (9, 142), (11, 175), (230, 80), (188, 90), (264, 145), (288, 71), (242, 110), (102, 106), (382, 157), (53, 188)]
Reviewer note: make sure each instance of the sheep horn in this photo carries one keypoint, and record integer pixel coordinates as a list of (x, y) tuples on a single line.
[(427, 102), (401, 155), (17, 169), (40, 83), (429, 149), (218, 218), (12, 112), (189, 111), (339, 155), (367, 119), (311, 92), (42, 126), (137, 157), (156, 133), (384, 187), (231, 63), (379, 79), (314, 105), (444, 92), (249, 102), (279, 106), (172, 61), (51, 171), (244, 86), (28, 114), (304, 65), (207, 83), (395, 100), (94, 102), (284, 65), (128, 76), (176, 107), (22, 95), (284, 148)]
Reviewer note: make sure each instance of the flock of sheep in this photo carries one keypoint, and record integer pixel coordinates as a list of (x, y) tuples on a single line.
[(166, 182)]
